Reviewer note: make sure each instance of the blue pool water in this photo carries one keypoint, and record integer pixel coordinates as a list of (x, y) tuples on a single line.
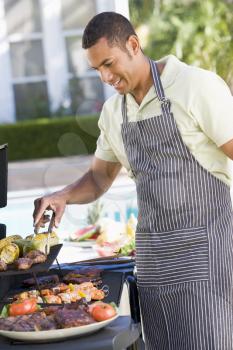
[(118, 203)]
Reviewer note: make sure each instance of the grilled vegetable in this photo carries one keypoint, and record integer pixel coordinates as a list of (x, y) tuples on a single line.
[(9, 253), (24, 307), (38, 242), (7, 240)]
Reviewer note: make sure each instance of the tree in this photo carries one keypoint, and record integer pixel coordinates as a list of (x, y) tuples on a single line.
[(198, 32)]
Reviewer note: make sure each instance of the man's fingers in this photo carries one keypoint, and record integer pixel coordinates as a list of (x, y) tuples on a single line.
[(40, 206), (58, 215), (42, 221)]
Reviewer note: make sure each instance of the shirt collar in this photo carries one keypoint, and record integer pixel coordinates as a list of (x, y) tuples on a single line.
[(172, 68)]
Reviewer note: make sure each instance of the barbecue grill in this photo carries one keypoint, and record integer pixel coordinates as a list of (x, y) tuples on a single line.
[(124, 332)]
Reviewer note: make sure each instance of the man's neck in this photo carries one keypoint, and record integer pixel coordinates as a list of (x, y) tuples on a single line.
[(146, 82)]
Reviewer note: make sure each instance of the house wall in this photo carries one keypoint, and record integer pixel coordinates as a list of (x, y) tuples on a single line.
[(42, 65)]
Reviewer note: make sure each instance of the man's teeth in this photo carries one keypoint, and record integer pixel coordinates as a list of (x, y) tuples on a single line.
[(116, 83)]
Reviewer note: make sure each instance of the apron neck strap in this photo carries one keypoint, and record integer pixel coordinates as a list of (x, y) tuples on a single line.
[(165, 103), (124, 109)]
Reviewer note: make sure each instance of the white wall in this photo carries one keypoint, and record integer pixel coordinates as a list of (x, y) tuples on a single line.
[(54, 54), (7, 109)]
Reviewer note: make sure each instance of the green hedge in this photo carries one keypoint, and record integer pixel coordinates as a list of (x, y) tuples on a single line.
[(55, 137)]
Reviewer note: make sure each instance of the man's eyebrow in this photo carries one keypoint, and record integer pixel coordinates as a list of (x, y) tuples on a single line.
[(101, 63)]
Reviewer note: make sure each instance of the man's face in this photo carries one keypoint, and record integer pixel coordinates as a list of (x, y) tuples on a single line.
[(115, 66)]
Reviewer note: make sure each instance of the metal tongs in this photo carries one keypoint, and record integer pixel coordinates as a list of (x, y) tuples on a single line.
[(50, 229)]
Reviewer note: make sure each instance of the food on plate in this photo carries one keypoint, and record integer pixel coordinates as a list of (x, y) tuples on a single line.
[(58, 317), (129, 249), (3, 266), (102, 311), (91, 231), (23, 307), (23, 263), (88, 232), (52, 299), (97, 294), (116, 238), (31, 294), (73, 318), (26, 323), (9, 253)]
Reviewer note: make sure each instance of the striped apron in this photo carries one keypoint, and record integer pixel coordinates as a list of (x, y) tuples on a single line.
[(184, 239)]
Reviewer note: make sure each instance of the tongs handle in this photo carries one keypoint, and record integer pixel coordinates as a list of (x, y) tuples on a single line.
[(50, 229), (51, 224)]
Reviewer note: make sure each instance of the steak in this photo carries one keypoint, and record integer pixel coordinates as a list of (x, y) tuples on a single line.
[(66, 318)]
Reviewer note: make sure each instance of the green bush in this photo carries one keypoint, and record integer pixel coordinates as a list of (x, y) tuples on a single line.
[(45, 138)]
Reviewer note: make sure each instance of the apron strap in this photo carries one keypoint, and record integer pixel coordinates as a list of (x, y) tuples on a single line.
[(124, 109), (165, 102)]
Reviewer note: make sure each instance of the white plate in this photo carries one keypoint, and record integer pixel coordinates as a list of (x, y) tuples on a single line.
[(82, 244), (56, 334)]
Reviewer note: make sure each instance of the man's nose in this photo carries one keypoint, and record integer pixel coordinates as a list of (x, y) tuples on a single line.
[(106, 76)]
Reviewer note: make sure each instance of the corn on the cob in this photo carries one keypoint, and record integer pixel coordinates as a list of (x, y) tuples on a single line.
[(8, 240), (9, 253)]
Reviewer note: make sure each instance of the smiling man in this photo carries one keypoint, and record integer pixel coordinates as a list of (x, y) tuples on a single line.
[(171, 126)]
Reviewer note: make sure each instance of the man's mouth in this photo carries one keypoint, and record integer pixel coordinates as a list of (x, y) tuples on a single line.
[(116, 83)]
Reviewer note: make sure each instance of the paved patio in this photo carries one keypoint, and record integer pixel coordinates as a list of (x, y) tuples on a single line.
[(44, 173)]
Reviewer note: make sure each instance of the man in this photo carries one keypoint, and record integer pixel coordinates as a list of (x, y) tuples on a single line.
[(171, 126)]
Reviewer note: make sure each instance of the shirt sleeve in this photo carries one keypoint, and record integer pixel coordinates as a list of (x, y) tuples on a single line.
[(104, 150), (212, 107)]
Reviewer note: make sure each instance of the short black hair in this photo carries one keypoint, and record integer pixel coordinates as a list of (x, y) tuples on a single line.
[(111, 25)]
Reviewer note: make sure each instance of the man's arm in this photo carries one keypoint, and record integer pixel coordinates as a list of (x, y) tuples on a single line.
[(227, 148), (88, 188)]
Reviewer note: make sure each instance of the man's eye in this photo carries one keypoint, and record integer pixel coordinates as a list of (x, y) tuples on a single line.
[(108, 64)]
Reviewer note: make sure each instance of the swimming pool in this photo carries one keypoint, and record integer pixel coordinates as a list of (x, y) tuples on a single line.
[(118, 203)]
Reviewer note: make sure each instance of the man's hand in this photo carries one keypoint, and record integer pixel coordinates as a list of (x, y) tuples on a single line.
[(227, 148), (88, 188), (55, 202)]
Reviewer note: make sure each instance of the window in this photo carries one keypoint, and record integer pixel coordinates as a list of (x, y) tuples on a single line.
[(31, 100), (85, 88), (27, 58), (86, 95), (22, 16), (77, 63), (76, 13)]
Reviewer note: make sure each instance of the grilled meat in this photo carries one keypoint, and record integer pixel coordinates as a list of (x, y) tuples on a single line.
[(3, 266), (52, 299), (52, 317), (23, 263), (83, 274), (60, 288), (46, 324), (43, 281), (73, 318), (50, 310), (37, 256), (26, 323), (97, 294)]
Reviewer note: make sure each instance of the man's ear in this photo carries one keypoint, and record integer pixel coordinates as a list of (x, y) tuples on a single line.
[(133, 45)]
